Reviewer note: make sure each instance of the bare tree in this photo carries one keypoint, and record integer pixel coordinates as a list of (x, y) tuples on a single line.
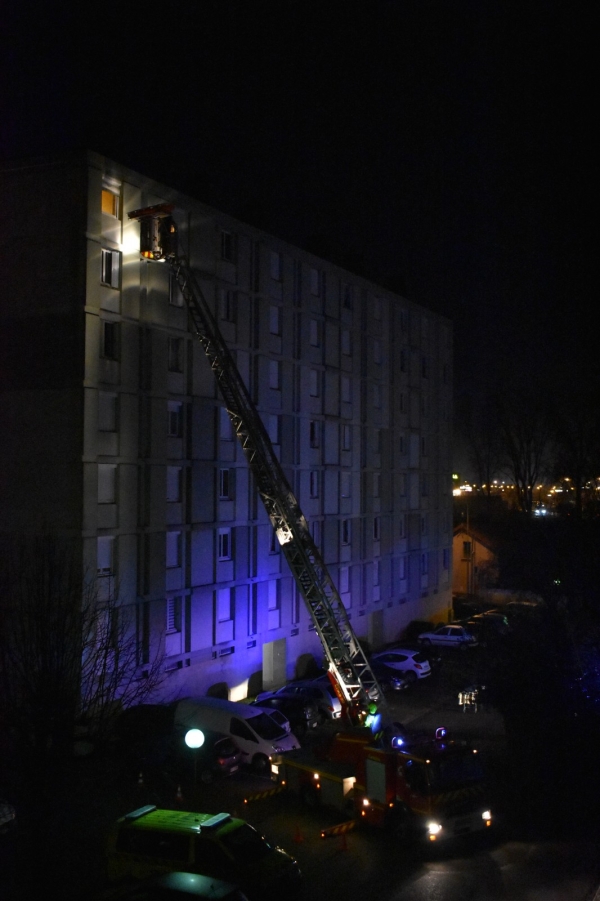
[(68, 650), (523, 424)]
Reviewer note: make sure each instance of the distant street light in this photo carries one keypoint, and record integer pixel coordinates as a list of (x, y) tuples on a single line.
[(194, 739)]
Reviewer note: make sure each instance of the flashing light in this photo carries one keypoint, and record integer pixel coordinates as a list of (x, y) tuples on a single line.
[(316, 776), (397, 742), (366, 802), (487, 816), (440, 733)]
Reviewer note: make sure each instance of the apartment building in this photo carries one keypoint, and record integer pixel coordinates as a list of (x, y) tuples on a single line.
[(115, 433)]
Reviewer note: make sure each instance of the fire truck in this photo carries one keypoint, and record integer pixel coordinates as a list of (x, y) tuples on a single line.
[(348, 668), (422, 786)]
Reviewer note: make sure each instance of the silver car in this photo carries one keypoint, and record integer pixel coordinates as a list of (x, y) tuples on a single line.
[(450, 636)]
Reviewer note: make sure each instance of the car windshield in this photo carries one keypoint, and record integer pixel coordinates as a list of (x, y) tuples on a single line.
[(454, 771), (245, 844), (265, 726)]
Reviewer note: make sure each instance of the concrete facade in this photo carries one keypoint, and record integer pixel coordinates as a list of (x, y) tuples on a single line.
[(115, 432)]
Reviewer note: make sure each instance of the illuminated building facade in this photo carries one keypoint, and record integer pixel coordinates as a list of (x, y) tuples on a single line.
[(116, 434)]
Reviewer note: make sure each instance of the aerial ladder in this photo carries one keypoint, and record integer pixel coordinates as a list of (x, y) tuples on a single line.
[(349, 671)]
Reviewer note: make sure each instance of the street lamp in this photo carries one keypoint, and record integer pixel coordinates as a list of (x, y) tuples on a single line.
[(194, 739)]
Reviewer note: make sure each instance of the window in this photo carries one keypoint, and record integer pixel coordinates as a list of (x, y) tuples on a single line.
[(275, 320), (346, 390), (377, 395), (175, 355), (346, 437), (253, 610), (225, 425), (376, 572), (446, 558), (175, 419), (273, 428), (424, 524), (344, 579), (402, 526), (224, 484), (111, 268), (315, 282), (376, 484), (174, 481), (227, 305), (376, 308), (274, 374), (347, 296), (275, 265), (402, 569), (424, 485), (173, 550), (466, 550), (175, 295), (376, 528), (110, 340), (314, 383), (173, 619), (105, 551), (224, 605), (346, 342), (314, 483), (273, 605), (424, 564), (107, 483), (224, 544), (110, 203), (313, 431), (227, 247), (314, 333), (346, 484), (346, 531), (107, 412)]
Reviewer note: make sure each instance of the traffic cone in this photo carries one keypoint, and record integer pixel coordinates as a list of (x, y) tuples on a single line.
[(298, 837)]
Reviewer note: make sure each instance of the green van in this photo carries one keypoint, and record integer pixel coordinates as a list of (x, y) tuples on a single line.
[(149, 841)]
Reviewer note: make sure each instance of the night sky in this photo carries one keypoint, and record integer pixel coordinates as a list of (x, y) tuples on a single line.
[(441, 148)]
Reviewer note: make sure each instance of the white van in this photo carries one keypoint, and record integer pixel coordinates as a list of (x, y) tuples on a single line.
[(254, 731)]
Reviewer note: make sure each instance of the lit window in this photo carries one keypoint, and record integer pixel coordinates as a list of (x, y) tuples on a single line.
[(107, 483), (107, 412), (175, 419), (174, 480), (105, 549), (173, 550), (110, 203), (175, 355), (111, 268), (224, 544), (110, 340)]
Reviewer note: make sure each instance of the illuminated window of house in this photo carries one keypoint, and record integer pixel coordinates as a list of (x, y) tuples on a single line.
[(110, 203)]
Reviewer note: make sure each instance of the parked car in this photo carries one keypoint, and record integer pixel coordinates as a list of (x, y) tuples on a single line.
[(149, 841), (453, 635), (494, 618), (302, 713), (410, 663), (388, 677), (319, 690)]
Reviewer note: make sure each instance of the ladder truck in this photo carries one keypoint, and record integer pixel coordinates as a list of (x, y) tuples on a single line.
[(348, 668)]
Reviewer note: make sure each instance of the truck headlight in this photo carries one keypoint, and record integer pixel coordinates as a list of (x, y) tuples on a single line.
[(434, 830)]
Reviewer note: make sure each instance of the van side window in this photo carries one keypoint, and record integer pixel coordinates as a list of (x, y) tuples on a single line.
[(239, 728), (165, 845)]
